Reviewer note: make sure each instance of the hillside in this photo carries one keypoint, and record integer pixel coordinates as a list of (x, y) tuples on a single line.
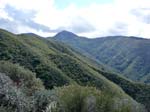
[(56, 64), (53, 62), (127, 55)]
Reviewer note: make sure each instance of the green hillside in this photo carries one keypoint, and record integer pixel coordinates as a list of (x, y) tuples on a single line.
[(56, 64), (127, 55)]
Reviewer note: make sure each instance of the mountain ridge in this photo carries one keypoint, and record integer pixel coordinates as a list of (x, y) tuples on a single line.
[(123, 53), (97, 37)]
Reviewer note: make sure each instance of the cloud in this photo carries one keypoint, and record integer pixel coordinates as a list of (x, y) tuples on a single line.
[(120, 17), (118, 28), (7, 24), (80, 25), (25, 19), (77, 25), (143, 14), (17, 16)]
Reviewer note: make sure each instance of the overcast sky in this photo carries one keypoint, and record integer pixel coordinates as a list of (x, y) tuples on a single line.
[(91, 18)]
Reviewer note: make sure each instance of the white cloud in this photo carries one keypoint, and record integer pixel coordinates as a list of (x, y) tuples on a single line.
[(122, 17)]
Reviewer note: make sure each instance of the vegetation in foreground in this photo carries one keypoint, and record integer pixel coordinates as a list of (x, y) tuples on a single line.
[(21, 91)]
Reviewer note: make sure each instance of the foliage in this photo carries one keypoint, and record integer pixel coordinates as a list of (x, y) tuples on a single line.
[(31, 53), (75, 98), (140, 92), (12, 97), (43, 98), (21, 77), (6, 109)]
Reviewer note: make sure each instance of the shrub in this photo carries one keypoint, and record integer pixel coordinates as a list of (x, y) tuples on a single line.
[(75, 98), (42, 99), (11, 96), (21, 77)]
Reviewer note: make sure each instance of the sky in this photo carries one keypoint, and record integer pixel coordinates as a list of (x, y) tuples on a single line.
[(90, 18)]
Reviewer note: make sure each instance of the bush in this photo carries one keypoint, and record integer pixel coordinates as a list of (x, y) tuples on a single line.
[(22, 77), (75, 98), (11, 96), (42, 99)]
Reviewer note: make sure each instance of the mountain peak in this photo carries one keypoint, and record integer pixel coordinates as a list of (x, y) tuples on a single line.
[(65, 34)]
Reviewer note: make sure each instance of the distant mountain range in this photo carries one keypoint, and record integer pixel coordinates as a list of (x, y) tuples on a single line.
[(129, 56)]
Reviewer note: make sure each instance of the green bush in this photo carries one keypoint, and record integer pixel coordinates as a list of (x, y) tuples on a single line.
[(42, 99), (75, 98), (13, 97), (22, 77)]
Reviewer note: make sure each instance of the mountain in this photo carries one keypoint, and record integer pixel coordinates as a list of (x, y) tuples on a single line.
[(128, 55), (56, 64), (53, 62)]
